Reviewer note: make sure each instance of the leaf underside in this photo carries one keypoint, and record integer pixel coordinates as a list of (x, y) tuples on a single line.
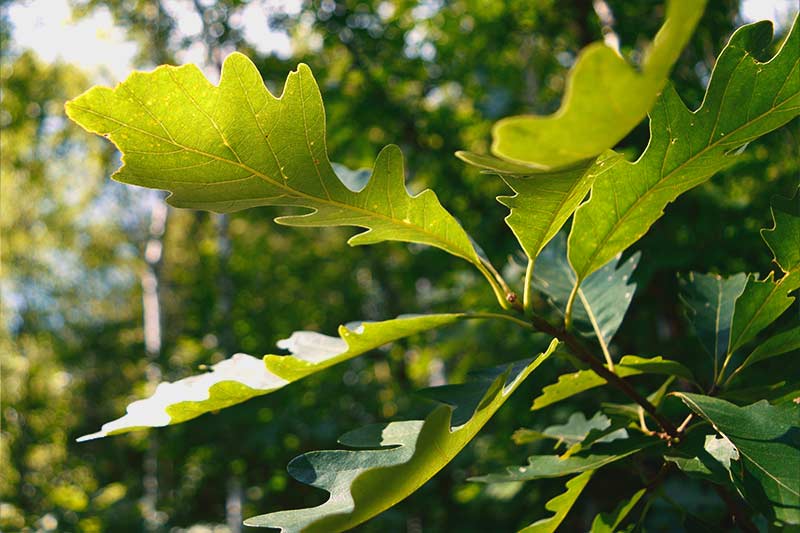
[(602, 300), (395, 459), (241, 377)]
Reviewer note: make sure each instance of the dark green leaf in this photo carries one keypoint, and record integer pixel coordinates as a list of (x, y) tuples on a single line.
[(767, 438)]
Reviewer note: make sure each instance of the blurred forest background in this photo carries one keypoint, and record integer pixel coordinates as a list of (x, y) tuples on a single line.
[(84, 259)]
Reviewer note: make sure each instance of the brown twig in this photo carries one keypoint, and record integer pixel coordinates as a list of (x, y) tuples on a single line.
[(581, 352)]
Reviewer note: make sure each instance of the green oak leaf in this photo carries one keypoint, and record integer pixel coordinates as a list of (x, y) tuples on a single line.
[(397, 458), (569, 385), (608, 522), (548, 466), (763, 301), (236, 146), (560, 505), (543, 201), (709, 300), (602, 300), (605, 98), (784, 237), (704, 456), (767, 438), (241, 377), (779, 344), (775, 393), (746, 98), (575, 430)]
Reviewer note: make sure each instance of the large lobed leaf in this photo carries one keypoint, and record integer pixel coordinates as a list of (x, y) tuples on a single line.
[(243, 376), (767, 440), (235, 146), (543, 200), (605, 98), (746, 98), (395, 459)]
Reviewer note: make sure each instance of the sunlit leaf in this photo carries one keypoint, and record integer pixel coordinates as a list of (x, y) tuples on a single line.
[(397, 458), (242, 376), (746, 98), (608, 522), (605, 98), (763, 301), (560, 505), (235, 146), (571, 384)]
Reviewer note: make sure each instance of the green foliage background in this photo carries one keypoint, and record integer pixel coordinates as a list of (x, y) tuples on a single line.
[(430, 77)]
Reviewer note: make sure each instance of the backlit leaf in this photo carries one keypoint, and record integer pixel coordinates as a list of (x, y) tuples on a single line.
[(235, 146), (571, 384), (560, 505), (605, 98), (608, 522), (746, 98)]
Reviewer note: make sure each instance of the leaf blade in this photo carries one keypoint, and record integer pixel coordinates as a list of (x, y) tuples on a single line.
[(603, 91), (363, 483), (247, 148), (696, 145), (242, 377)]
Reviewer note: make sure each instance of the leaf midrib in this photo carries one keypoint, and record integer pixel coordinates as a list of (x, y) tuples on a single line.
[(292, 192), (666, 177)]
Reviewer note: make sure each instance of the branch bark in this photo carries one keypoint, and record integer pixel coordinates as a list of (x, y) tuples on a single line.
[(581, 352)]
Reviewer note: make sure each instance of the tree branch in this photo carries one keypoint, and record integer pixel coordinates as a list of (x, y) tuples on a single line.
[(581, 352)]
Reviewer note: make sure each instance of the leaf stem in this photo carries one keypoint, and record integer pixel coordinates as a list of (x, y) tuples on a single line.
[(570, 304), (581, 352), (502, 316), (527, 301), (501, 291)]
